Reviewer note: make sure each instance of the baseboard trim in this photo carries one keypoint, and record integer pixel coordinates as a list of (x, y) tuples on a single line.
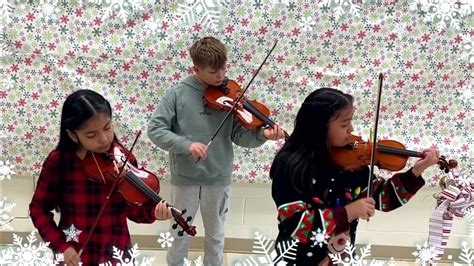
[(245, 246)]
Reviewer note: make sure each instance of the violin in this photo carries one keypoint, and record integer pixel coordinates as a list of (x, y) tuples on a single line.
[(251, 114), (390, 155), (136, 185)]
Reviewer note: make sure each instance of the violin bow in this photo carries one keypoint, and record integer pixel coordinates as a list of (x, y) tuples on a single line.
[(372, 158), (240, 96), (108, 195)]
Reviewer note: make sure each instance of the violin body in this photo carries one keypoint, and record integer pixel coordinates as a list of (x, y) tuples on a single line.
[(137, 185), (109, 165), (223, 98), (389, 155)]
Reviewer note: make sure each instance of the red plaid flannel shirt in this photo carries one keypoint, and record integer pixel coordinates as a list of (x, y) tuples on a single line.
[(62, 183)]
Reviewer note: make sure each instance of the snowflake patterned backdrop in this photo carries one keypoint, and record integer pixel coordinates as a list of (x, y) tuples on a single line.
[(133, 51)]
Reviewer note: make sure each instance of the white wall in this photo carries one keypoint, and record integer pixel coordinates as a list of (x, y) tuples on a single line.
[(252, 209)]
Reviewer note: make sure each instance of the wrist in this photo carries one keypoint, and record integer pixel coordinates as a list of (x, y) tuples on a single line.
[(417, 170)]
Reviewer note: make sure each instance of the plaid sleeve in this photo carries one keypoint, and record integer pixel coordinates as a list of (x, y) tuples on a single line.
[(44, 201)]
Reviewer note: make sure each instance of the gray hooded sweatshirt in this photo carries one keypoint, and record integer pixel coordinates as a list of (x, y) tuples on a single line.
[(181, 119)]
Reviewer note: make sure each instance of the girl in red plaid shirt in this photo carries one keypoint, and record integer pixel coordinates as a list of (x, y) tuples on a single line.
[(86, 125)]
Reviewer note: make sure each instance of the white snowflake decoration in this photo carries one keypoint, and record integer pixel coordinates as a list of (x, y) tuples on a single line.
[(5, 10), (151, 27), (197, 262), (319, 237), (72, 233), (60, 258), (466, 256), (49, 9), (165, 240), (391, 262), (7, 82), (119, 8), (342, 7), (204, 12), (27, 253), (347, 257), (461, 177), (3, 53), (6, 170), (467, 93), (444, 13), (261, 245), (425, 254), (5, 219), (307, 24), (132, 261)]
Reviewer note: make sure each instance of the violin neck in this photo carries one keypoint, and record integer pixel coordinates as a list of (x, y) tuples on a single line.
[(254, 110), (140, 185), (397, 151)]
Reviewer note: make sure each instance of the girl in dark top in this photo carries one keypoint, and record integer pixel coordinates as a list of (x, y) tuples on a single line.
[(314, 195)]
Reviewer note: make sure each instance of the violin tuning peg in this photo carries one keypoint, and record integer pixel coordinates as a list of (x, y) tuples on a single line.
[(183, 211), (181, 233), (174, 226), (189, 219)]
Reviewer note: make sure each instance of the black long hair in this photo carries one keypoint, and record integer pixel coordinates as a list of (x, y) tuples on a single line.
[(307, 149), (77, 109)]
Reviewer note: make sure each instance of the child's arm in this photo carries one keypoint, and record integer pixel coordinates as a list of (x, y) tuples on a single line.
[(159, 127), (245, 137), (45, 200), (393, 193)]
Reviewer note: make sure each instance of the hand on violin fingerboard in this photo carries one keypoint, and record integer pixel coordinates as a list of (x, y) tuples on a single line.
[(274, 133), (431, 157), (162, 211)]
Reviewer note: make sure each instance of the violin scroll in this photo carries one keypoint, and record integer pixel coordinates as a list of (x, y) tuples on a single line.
[(446, 165), (190, 230)]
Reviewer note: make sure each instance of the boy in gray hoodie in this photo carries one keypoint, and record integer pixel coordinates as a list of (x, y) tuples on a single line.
[(201, 174)]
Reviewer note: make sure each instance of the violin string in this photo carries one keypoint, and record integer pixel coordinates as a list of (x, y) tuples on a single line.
[(140, 185), (251, 108)]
